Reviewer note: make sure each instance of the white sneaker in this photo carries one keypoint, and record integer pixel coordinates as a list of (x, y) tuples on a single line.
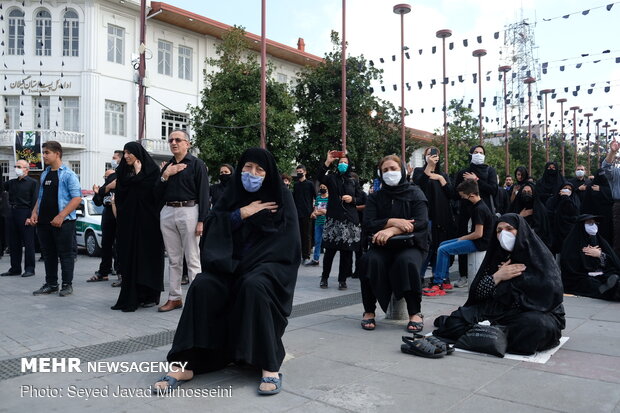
[(461, 283)]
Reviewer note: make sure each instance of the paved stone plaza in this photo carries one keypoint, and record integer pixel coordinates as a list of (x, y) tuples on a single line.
[(331, 365)]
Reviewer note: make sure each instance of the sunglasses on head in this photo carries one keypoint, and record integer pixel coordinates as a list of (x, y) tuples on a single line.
[(177, 140)]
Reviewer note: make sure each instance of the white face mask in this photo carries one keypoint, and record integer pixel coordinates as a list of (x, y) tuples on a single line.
[(477, 158), (591, 229), (392, 178), (507, 240), (19, 171), (580, 174)]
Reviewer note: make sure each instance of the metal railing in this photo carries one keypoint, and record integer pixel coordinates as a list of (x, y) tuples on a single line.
[(66, 138)]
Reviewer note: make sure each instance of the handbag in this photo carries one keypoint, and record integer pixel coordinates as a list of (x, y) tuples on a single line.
[(484, 339), (397, 242)]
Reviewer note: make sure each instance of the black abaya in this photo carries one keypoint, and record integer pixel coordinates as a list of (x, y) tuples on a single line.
[(578, 268), (529, 305), (600, 203), (237, 309), (539, 220), (139, 241), (562, 211)]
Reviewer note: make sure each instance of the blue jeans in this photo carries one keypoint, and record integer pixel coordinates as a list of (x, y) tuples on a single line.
[(318, 239), (445, 250)]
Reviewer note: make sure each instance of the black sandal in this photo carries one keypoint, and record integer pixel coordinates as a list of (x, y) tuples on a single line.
[(366, 323), (420, 346), (440, 344), (418, 326)]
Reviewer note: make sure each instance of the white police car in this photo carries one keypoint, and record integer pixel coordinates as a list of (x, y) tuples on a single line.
[(88, 226)]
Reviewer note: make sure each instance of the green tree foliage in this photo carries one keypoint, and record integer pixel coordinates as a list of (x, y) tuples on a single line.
[(231, 98), (373, 125)]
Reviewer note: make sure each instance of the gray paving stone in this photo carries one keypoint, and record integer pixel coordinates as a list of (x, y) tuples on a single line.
[(481, 404)]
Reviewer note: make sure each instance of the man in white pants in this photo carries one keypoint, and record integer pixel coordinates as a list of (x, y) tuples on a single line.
[(184, 189)]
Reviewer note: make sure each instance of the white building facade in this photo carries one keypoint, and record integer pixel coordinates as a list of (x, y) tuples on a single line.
[(69, 70)]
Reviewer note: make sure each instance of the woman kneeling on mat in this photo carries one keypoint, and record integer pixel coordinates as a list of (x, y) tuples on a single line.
[(518, 286), (236, 310), (394, 267)]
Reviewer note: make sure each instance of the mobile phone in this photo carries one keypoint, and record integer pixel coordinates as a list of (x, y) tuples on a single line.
[(338, 154), (434, 151)]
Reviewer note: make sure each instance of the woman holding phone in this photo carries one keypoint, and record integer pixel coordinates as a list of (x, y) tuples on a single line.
[(342, 231), (438, 190)]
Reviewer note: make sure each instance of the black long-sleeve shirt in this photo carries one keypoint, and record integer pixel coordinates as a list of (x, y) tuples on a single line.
[(192, 183), (303, 195), (23, 193), (102, 197)]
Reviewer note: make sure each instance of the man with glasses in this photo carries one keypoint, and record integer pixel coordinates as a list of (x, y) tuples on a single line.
[(23, 192), (184, 189)]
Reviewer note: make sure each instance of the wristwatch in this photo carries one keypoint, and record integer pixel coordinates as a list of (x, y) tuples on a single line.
[(163, 179)]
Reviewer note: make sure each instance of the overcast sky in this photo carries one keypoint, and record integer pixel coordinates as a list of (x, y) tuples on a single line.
[(374, 31)]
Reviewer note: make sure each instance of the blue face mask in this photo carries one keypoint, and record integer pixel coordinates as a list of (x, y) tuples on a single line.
[(251, 183), (343, 167)]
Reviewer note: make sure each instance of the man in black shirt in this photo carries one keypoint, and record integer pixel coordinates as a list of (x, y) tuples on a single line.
[(304, 194), (184, 189), (23, 192)]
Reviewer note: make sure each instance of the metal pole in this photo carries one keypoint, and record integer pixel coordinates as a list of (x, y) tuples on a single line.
[(343, 98), (546, 92), (575, 109), (443, 34), (598, 143), (479, 53), (561, 101), (402, 9), (142, 72), (529, 82), (588, 115), (505, 70), (263, 76)]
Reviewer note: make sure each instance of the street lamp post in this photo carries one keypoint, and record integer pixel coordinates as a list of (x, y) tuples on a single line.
[(575, 109), (505, 70), (546, 92), (598, 143), (528, 81), (402, 9), (479, 53), (263, 76), (561, 102), (588, 115), (343, 70), (443, 34)]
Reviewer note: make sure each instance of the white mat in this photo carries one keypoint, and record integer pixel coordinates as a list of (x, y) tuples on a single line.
[(540, 357)]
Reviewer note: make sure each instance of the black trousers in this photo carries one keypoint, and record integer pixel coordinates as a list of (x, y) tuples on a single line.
[(20, 235), (346, 264), (304, 232), (58, 243), (108, 243), (616, 221)]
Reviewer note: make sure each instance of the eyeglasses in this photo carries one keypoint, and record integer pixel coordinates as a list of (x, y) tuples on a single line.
[(177, 140), (18, 167)]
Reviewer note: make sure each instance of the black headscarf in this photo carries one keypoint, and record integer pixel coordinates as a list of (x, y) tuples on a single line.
[(551, 181), (216, 190), (525, 175), (125, 173), (482, 170), (268, 231), (539, 287), (538, 221)]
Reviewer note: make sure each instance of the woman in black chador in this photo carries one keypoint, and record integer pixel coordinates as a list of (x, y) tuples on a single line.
[(216, 191), (562, 211), (550, 183), (528, 205), (139, 242), (237, 309), (398, 208), (518, 286), (590, 267), (598, 201)]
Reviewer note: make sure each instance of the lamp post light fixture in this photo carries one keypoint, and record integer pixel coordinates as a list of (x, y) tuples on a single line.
[(575, 109), (402, 9), (561, 102), (479, 53), (505, 70), (588, 115), (443, 34), (528, 81), (546, 92)]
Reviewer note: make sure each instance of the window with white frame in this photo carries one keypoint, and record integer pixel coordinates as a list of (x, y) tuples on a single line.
[(185, 63), (11, 106), (282, 78), (70, 34), (76, 167), (71, 114), (43, 33), (164, 58), (16, 32), (41, 110), (171, 121), (108, 165), (4, 170), (116, 44), (115, 118)]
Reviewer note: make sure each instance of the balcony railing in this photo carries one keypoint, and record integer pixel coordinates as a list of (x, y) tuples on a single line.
[(67, 139), (156, 146)]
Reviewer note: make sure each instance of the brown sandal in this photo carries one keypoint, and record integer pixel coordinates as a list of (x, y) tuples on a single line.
[(96, 278)]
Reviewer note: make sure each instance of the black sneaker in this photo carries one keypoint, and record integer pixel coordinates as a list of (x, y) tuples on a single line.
[(342, 285), (323, 283), (46, 289), (66, 290)]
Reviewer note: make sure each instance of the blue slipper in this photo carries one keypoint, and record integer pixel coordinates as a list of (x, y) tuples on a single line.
[(172, 384), (273, 380)]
